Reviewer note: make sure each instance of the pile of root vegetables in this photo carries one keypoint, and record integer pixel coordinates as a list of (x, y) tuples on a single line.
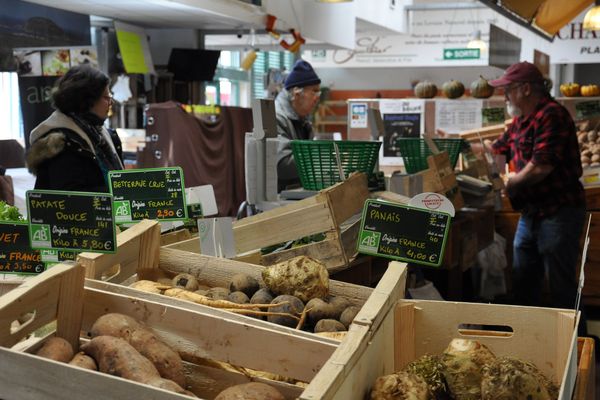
[(467, 370), (123, 347), (293, 293), (588, 137)]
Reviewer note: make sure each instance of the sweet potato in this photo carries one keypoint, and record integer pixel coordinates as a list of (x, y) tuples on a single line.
[(117, 357), (348, 315), (262, 296), (291, 305), (57, 349), (250, 391), (166, 360), (238, 297), (82, 360)]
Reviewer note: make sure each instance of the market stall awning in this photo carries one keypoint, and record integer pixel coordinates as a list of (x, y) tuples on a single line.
[(544, 17)]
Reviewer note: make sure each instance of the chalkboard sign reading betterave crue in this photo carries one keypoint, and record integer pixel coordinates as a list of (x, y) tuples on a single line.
[(71, 221), (154, 193), (403, 233), (16, 254)]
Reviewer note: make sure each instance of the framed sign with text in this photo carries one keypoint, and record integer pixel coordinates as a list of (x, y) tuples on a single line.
[(403, 233), (16, 254), (153, 193), (75, 221)]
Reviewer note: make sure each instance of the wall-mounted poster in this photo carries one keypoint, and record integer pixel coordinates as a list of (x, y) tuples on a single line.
[(401, 118), (358, 115), (55, 62)]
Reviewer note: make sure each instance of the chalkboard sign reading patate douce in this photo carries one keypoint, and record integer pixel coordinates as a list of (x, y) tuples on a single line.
[(403, 233), (153, 193), (16, 255), (71, 221)]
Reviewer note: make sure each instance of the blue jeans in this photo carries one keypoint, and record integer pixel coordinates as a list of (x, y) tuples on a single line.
[(548, 244)]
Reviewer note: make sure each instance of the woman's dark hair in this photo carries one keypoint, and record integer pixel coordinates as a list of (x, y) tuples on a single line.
[(79, 89)]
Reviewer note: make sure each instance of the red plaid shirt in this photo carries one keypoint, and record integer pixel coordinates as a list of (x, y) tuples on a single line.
[(547, 136)]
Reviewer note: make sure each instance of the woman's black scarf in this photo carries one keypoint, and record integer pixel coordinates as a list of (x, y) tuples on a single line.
[(91, 124)]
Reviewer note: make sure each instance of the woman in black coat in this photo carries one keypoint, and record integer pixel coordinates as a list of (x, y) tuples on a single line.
[(72, 150)]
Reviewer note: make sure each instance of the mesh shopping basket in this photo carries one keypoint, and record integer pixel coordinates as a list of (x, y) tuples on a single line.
[(319, 161), (414, 151)]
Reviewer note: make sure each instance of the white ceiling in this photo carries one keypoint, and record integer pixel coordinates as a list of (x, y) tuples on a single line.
[(195, 14)]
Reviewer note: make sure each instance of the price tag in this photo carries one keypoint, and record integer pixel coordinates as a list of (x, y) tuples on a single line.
[(154, 193), (74, 221), (16, 254), (403, 233)]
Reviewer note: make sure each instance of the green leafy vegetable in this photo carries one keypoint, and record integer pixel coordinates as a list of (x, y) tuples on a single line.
[(9, 213)]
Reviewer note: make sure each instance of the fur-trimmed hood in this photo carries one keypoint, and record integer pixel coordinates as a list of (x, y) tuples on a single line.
[(64, 132)]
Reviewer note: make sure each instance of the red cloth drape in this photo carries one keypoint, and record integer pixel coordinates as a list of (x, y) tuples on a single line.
[(210, 153)]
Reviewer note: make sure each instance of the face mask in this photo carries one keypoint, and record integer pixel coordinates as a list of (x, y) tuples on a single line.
[(513, 110)]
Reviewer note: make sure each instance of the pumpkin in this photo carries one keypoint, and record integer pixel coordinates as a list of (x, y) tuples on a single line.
[(425, 90), (590, 90), (570, 89), (453, 89), (481, 89)]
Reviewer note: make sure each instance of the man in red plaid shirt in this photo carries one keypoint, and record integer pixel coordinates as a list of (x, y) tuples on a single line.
[(541, 142)]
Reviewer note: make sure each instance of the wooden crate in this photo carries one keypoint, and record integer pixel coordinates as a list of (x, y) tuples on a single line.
[(412, 328), (119, 268), (195, 332), (322, 213), (585, 387)]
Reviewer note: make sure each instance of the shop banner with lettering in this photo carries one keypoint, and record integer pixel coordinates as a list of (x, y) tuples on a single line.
[(437, 38), (574, 45), (38, 70)]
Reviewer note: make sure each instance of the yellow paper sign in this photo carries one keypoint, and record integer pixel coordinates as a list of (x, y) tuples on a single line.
[(132, 52)]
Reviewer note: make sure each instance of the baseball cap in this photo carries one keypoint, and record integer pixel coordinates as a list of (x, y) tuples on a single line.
[(519, 72), (302, 75)]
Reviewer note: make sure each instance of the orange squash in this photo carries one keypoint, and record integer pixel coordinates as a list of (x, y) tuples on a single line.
[(590, 90), (570, 89)]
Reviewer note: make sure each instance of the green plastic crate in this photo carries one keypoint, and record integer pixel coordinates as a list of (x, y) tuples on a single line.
[(414, 151), (317, 163)]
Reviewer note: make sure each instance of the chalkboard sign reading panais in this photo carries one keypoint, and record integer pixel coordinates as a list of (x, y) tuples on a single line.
[(403, 233), (154, 193), (71, 221), (16, 254)]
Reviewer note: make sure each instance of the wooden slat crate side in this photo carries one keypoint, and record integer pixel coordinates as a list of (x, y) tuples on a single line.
[(48, 296), (346, 198), (329, 251), (585, 388), (291, 225), (541, 335), (191, 245), (27, 377), (137, 251), (201, 334), (175, 237)]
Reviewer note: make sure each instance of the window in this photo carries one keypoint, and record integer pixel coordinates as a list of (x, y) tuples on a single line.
[(11, 126), (264, 61), (225, 89)]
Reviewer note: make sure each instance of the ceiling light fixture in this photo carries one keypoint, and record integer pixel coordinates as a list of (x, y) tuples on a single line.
[(477, 43), (591, 21)]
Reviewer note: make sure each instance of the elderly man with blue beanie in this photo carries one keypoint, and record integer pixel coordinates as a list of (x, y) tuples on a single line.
[(293, 106)]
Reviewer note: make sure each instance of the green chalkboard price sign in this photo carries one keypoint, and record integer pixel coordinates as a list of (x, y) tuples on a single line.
[(154, 193), (16, 254), (403, 233), (76, 221)]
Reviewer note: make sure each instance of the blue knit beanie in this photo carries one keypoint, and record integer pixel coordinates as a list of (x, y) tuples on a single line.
[(302, 75)]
